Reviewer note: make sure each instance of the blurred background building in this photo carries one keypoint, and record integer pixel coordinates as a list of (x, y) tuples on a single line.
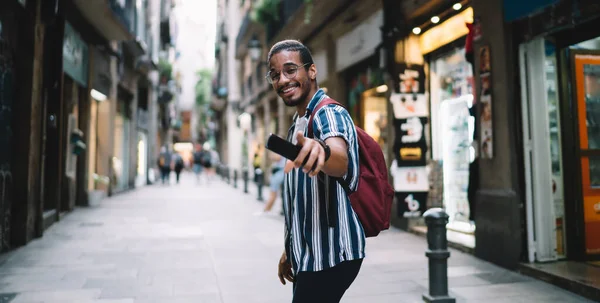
[(86, 96)]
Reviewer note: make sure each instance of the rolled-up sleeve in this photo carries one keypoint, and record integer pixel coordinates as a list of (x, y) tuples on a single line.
[(335, 121)]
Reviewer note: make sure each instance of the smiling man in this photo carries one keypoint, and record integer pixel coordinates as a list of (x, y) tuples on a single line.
[(322, 258)]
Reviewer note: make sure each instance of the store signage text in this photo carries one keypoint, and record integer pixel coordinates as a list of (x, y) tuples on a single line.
[(360, 43), (75, 56)]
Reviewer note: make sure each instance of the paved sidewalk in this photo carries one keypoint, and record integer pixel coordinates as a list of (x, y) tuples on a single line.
[(197, 243)]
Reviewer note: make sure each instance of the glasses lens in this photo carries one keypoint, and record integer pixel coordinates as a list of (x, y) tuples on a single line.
[(290, 72)]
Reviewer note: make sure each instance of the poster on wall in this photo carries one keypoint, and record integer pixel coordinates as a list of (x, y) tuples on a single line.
[(409, 105), (485, 106), (411, 78)]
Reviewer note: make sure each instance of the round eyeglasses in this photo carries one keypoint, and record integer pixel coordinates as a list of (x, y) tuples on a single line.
[(289, 71)]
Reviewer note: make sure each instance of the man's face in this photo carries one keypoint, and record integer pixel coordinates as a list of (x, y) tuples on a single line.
[(293, 91)]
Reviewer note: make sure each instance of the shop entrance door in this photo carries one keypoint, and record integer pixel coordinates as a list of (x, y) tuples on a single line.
[(586, 87), (542, 152)]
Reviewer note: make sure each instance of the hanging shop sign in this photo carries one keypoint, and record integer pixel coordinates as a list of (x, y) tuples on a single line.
[(411, 205), (360, 43), (75, 56), (410, 146), (487, 134), (410, 78), (409, 105)]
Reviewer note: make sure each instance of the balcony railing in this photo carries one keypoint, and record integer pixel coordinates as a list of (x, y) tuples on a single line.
[(122, 13)]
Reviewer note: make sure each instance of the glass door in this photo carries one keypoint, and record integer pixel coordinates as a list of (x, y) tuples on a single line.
[(542, 144), (587, 89)]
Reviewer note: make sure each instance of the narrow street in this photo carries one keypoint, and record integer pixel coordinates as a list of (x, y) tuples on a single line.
[(199, 243)]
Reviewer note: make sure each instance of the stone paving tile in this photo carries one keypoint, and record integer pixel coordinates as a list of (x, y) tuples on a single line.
[(197, 243)]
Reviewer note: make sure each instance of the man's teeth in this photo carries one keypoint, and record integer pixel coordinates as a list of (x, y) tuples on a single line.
[(289, 89)]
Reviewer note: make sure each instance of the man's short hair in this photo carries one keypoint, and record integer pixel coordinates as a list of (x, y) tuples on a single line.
[(292, 46)]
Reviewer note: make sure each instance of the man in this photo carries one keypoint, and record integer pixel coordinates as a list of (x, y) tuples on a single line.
[(320, 260)]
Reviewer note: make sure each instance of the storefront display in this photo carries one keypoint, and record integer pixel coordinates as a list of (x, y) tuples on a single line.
[(587, 77), (452, 132)]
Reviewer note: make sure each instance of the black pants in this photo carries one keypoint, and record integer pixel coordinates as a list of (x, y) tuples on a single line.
[(327, 286)]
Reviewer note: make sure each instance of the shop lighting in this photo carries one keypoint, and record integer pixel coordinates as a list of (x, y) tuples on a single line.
[(98, 96), (457, 6), (416, 30), (381, 88), (435, 19)]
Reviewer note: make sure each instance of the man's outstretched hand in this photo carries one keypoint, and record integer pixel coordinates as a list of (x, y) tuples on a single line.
[(311, 157)]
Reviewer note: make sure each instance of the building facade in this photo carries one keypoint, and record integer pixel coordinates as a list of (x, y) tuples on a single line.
[(86, 97)]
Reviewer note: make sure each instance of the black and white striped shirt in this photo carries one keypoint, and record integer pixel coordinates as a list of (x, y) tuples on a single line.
[(310, 243)]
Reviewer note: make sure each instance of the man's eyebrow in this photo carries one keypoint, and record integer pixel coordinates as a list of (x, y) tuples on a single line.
[(285, 64)]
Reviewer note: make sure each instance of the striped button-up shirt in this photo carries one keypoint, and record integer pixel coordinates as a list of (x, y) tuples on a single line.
[(310, 243)]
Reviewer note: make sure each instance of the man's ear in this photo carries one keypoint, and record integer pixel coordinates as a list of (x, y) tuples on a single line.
[(312, 72)]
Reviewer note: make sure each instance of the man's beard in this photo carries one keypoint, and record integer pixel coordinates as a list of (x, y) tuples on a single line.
[(301, 99)]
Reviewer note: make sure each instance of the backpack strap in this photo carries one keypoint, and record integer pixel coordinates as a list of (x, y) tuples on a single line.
[(326, 186), (323, 103)]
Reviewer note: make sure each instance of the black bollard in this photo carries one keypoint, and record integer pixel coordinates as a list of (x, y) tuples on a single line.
[(228, 175), (259, 183), (245, 177), (438, 254), (235, 176)]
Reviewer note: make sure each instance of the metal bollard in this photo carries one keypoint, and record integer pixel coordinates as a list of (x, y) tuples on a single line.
[(235, 176), (438, 254), (228, 175), (245, 177), (259, 183)]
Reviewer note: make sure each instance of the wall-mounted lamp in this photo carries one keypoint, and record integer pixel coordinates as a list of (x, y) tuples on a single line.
[(98, 96), (457, 6), (245, 121), (381, 89), (435, 19), (416, 30)]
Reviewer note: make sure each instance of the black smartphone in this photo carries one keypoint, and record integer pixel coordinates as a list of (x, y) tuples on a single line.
[(283, 147)]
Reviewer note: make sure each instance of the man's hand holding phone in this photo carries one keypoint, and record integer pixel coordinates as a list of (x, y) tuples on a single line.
[(311, 157), (308, 154)]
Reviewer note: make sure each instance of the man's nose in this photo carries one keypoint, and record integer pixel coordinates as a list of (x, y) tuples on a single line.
[(283, 80)]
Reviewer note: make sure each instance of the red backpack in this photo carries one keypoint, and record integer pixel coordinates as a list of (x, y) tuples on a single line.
[(372, 200)]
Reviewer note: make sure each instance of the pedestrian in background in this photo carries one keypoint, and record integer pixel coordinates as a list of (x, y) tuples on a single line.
[(178, 166), (197, 162), (277, 175), (164, 165), (321, 258)]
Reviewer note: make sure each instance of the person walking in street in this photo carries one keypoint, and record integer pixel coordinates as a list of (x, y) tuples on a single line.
[(164, 165), (277, 175), (324, 239), (197, 161), (178, 166), (207, 162)]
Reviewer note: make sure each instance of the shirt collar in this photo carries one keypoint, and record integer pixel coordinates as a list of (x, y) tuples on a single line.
[(317, 97)]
